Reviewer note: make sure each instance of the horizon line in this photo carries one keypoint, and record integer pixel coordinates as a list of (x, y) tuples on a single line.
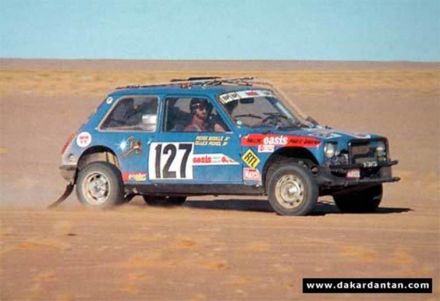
[(218, 60)]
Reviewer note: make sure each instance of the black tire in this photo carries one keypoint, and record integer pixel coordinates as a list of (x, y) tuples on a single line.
[(361, 201), (108, 190), (164, 200), (292, 189)]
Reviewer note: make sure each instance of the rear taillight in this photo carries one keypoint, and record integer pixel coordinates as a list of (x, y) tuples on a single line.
[(67, 143)]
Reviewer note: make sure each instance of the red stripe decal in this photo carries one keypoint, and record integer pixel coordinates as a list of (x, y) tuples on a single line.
[(279, 140)]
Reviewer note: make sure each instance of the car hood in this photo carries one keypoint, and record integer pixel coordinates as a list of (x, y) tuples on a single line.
[(332, 134)]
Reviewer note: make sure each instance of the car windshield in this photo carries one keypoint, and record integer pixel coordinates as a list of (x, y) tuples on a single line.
[(260, 109)]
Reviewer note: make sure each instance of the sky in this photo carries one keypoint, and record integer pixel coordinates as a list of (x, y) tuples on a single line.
[(372, 30)]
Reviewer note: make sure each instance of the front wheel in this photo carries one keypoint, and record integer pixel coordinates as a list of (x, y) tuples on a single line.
[(292, 190), (99, 185), (164, 200), (361, 201)]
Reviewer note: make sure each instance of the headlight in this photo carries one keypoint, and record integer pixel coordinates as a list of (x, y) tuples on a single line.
[(381, 150), (329, 150)]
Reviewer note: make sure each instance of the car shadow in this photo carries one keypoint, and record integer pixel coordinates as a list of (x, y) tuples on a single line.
[(322, 208), (231, 204)]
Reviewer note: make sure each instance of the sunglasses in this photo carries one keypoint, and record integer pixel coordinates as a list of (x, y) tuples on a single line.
[(200, 107)]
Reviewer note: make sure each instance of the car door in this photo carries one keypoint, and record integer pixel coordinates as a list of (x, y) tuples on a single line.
[(187, 153)]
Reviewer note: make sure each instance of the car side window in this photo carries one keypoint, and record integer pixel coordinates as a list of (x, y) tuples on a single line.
[(137, 113), (192, 114)]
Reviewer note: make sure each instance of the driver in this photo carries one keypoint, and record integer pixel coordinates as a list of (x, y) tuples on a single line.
[(202, 121), (199, 111)]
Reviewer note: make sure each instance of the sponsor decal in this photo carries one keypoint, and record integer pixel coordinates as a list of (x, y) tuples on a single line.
[(275, 140), (369, 164), (131, 146), (251, 174), (250, 159), (284, 140), (354, 174), (251, 93), (134, 176), (266, 148), (229, 97), (212, 140), (109, 100), (212, 159), (329, 134), (83, 139), (325, 134)]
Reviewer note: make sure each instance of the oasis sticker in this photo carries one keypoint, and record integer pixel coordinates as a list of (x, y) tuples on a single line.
[(83, 139), (279, 140), (250, 159), (275, 140), (213, 159)]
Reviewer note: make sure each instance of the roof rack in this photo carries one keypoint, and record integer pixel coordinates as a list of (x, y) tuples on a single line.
[(201, 81), (197, 78)]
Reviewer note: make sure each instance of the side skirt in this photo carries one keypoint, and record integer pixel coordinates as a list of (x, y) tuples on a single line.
[(195, 189)]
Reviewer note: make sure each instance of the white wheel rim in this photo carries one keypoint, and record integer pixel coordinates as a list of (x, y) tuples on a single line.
[(289, 191), (96, 188)]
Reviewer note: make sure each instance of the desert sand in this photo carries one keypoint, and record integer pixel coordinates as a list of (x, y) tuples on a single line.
[(214, 248)]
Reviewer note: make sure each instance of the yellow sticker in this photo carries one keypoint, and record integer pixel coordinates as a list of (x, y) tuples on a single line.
[(250, 159)]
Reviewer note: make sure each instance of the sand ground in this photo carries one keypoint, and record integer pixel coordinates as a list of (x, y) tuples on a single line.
[(222, 248)]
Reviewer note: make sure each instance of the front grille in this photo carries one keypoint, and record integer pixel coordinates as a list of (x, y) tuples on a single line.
[(362, 152)]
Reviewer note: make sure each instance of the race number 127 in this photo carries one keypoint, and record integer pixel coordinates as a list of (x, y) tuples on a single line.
[(170, 160)]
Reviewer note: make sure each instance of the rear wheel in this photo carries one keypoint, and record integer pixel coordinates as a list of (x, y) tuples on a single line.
[(99, 185), (365, 200), (164, 200), (292, 190)]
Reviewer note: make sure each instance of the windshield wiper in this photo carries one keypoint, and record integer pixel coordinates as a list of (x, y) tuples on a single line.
[(248, 115), (274, 115), (289, 127), (275, 118)]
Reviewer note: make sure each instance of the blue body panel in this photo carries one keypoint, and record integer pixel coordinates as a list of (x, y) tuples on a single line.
[(193, 158)]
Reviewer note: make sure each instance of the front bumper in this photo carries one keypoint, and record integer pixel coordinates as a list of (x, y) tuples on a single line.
[(68, 172), (329, 177)]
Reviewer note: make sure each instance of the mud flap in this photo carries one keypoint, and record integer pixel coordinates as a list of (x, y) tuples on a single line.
[(63, 197)]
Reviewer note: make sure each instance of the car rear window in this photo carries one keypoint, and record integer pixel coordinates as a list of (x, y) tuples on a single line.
[(134, 113)]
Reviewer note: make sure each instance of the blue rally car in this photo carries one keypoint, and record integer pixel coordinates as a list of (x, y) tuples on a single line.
[(210, 136)]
